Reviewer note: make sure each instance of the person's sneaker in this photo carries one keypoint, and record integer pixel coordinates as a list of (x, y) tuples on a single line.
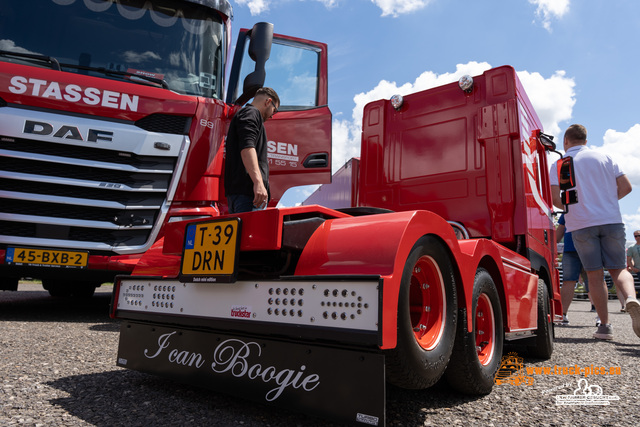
[(593, 308), (604, 332), (598, 322), (633, 308), (565, 320)]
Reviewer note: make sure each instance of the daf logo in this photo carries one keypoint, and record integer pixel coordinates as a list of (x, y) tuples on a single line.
[(66, 132)]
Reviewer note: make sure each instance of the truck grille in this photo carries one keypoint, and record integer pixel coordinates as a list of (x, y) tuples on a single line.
[(104, 197)]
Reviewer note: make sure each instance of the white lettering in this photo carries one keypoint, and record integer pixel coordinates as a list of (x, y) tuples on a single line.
[(163, 342), (91, 96), (186, 359), (36, 86), (74, 93), (53, 91), (18, 85), (110, 99), (231, 356), (129, 102), (282, 148)]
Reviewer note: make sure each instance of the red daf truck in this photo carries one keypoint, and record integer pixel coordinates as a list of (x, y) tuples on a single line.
[(112, 123), (440, 253)]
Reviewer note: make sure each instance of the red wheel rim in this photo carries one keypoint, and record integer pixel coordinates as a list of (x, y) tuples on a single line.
[(427, 303), (485, 330)]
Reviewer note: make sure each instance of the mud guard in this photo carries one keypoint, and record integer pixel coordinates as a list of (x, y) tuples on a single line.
[(337, 383)]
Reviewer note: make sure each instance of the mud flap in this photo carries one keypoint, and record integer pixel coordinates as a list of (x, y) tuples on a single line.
[(341, 384)]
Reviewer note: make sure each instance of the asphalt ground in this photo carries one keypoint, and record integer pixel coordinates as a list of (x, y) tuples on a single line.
[(57, 368)]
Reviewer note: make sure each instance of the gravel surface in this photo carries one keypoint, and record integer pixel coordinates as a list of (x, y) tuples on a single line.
[(57, 368)]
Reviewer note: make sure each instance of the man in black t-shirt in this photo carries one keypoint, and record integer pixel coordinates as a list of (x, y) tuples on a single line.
[(246, 176)]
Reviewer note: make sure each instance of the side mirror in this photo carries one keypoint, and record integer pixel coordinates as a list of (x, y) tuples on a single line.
[(259, 50), (567, 182), (566, 173), (547, 141)]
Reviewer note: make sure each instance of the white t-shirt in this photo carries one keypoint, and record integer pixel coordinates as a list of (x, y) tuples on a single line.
[(597, 189)]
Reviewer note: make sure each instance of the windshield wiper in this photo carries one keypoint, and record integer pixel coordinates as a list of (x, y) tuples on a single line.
[(108, 72), (57, 66), (52, 61)]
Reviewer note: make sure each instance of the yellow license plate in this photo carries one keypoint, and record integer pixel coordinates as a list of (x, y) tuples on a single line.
[(211, 251), (47, 258)]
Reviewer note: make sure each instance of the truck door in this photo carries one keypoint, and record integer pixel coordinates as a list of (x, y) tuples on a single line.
[(299, 134)]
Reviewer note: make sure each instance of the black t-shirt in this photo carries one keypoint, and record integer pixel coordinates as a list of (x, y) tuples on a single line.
[(245, 131)]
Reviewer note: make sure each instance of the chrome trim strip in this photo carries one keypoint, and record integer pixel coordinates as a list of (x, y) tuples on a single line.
[(72, 201), (80, 162)]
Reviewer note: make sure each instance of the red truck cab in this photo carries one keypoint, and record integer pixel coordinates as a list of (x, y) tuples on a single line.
[(113, 122)]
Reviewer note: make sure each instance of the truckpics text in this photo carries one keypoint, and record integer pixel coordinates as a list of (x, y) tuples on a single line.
[(432, 251), (112, 123)]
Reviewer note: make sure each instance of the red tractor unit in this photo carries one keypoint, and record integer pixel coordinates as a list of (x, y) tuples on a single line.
[(112, 123), (437, 249)]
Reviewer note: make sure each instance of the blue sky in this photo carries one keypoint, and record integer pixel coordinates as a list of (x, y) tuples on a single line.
[(576, 59)]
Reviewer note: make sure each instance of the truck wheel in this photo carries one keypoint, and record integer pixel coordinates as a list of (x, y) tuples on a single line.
[(427, 313), (9, 283), (57, 288), (83, 289), (477, 355), (545, 332)]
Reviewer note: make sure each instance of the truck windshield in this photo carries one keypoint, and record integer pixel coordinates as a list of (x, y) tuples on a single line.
[(170, 43)]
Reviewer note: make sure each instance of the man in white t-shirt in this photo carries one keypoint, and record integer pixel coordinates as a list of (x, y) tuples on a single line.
[(596, 226)]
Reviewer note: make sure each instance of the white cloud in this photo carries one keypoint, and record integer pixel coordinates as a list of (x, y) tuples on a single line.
[(10, 46), (345, 135), (621, 146), (552, 98), (548, 9), (256, 7), (631, 223), (329, 3), (398, 7)]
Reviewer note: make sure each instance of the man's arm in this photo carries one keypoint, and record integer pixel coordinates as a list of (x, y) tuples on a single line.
[(250, 161), (624, 186), (560, 233), (555, 196)]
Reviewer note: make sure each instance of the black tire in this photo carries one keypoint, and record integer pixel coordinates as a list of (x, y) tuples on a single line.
[(83, 289), (57, 288), (425, 337), (9, 283), (545, 333), (68, 288), (477, 355)]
